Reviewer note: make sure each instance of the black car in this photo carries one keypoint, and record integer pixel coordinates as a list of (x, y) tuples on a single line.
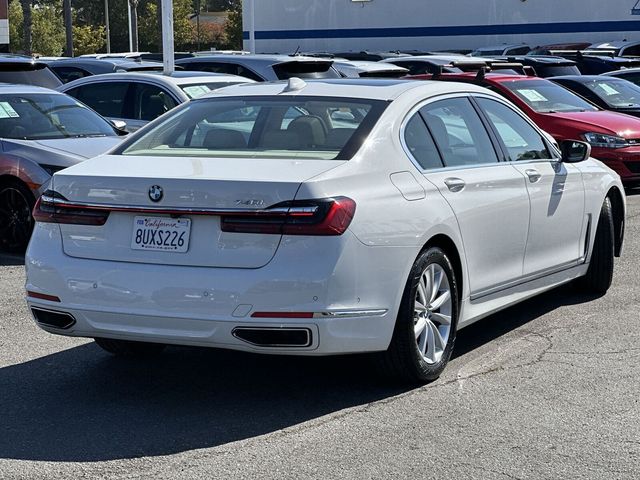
[(597, 64), (546, 65), (609, 93), (26, 71), (69, 69)]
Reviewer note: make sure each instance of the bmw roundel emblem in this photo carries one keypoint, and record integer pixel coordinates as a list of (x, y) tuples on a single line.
[(155, 193)]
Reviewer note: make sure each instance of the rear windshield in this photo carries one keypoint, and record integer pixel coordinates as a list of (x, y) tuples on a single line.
[(547, 97), (40, 116), (27, 74), (287, 70), (197, 89), (556, 70), (265, 127)]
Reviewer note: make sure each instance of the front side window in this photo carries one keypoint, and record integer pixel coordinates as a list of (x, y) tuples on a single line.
[(265, 127), (40, 116), (521, 140), (544, 96), (459, 133)]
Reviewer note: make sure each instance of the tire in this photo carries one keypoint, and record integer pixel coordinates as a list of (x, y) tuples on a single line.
[(126, 348), (16, 221), (600, 273), (422, 358)]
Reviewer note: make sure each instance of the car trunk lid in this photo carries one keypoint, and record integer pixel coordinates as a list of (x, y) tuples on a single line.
[(195, 191)]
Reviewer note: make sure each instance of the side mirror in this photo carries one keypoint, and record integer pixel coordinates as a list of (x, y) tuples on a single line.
[(120, 125), (574, 151)]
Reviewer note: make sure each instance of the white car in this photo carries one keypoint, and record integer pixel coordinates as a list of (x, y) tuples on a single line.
[(321, 218)]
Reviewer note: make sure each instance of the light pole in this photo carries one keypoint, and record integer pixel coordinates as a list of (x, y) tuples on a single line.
[(133, 25), (68, 28), (252, 26), (106, 24), (167, 37)]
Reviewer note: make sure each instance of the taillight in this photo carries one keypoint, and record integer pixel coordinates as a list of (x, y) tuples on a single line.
[(52, 207), (327, 216)]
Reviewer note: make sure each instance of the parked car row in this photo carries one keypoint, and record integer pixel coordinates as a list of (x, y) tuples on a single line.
[(418, 206)]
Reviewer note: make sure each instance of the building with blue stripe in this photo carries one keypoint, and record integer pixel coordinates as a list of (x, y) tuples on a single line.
[(331, 25)]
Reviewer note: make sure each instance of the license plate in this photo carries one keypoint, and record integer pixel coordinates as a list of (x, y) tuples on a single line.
[(161, 233)]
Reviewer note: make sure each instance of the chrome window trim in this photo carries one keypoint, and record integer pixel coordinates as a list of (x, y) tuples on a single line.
[(415, 109), (552, 149)]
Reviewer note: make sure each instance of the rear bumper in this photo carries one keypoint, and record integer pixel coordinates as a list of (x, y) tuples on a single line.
[(354, 290)]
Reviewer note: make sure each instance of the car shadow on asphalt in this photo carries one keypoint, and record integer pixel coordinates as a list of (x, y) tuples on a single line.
[(82, 405)]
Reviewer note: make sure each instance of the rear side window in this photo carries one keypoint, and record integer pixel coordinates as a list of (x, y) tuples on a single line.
[(108, 98), (521, 140), (459, 133), (68, 74), (420, 143), (322, 128)]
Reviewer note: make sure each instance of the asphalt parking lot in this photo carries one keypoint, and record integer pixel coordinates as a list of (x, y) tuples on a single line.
[(545, 390)]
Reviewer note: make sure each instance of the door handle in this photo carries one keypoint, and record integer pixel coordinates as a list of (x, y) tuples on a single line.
[(533, 175), (454, 184)]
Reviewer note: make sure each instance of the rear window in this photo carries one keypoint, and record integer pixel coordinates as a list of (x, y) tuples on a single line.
[(28, 74), (547, 97), (289, 127), (287, 70), (556, 70)]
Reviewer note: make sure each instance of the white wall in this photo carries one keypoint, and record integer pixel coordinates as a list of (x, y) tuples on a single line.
[(278, 18)]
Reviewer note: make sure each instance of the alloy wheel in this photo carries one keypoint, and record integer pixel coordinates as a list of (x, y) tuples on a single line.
[(16, 221), (432, 313)]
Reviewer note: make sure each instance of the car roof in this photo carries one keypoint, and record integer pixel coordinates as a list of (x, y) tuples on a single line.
[(364, 88), (612, 45), (440, 59), (504, 46), (261, 58), (9, 88), (540, 59), (491, 77), (620, 73), (583, 78), (178, 78), (367, 66)]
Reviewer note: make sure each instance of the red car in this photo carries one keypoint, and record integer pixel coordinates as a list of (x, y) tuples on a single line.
[(614, 137)]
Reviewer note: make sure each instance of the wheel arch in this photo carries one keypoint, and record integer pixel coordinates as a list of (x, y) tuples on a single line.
[(447, 244), (617, 207)]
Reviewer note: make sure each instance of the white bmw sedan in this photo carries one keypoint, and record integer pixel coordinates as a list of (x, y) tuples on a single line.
[(321, 218)]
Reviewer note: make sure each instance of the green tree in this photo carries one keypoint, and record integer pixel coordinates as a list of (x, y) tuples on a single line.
[(88, 39), (233, 26), (48, 30), (16, 38)]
